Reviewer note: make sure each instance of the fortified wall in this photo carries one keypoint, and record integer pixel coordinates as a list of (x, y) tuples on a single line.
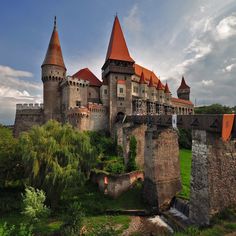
[(27, 115), (93, 117)]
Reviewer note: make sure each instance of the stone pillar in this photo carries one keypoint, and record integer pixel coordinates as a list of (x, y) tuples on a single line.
[(213, 177), (161, 167)]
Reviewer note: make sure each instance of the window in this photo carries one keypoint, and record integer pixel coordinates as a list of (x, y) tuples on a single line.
[(105, 91), (78, 103), (121, 90), (89, 94)]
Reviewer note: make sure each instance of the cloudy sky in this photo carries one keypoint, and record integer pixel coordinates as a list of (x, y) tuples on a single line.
[(196, 39)]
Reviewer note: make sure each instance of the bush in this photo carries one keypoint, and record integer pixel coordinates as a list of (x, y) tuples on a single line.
[(12, 230), (131, 165), (73, 221), (33, 204), (115, 165)]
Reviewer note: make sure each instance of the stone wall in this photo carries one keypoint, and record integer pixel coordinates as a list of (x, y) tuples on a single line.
[(138, 131), (116, 184), (213, 180), (161, 167), (25, 118)]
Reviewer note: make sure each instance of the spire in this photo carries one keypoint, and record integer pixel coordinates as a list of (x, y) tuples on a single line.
[(167, 88), (142, 79), (54, 53), (183, 84), (160, 86), (151, 84), (117, 49)]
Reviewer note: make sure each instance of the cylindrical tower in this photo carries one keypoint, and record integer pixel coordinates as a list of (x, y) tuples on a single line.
[(53, 72)]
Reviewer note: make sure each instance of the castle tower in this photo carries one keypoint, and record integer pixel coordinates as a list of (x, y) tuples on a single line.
[(183, 91), (116, 73), (53, 72)]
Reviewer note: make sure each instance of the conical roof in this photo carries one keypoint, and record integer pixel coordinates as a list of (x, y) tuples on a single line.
[(117, 49), (54, 53), (167, 88), (142, 79), (160, 86), (151, 83), (183, 84)]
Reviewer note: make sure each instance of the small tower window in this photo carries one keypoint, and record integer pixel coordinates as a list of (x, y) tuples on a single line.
[(78, 103), (121, 90), (105, 91)]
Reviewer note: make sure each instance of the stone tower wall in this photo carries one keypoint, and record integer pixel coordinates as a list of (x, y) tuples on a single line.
[(161, 167), (51, 77), (213, 178)]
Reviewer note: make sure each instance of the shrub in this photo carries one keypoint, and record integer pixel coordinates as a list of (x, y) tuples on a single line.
[(115, 165), (12, 230), (131, 165), (73, 221), (33, 204)]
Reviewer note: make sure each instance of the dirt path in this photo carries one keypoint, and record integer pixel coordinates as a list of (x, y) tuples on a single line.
[(145, 227)]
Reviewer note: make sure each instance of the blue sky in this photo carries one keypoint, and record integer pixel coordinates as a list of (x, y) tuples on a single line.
[(196, 39)]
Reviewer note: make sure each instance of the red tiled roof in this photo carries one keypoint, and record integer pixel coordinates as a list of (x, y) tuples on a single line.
[(86, 74), (54, 53), (178, 100), (183, 84), (147, 74), (167, 90), (117, 49)]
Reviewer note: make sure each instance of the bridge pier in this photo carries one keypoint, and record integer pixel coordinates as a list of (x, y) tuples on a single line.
[(161, 167), (213, 177)]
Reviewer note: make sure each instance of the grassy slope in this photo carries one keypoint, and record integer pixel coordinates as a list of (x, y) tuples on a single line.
[(185, 171)]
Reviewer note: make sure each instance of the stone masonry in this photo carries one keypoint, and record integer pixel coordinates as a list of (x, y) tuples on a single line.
[(213, 180), (161, 167)]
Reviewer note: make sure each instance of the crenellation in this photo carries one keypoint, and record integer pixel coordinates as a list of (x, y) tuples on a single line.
[(29, 106)]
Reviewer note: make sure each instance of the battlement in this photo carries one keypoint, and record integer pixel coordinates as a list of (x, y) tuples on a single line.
[(72, 81), (29, 106), (96, 107)]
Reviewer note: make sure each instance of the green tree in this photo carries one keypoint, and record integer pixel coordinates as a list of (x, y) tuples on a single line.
[(33, 204), (213, 109), (11, 166), (57, 157), (131, 165)]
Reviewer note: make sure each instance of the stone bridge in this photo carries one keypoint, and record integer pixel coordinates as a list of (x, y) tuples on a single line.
[(213, 173)]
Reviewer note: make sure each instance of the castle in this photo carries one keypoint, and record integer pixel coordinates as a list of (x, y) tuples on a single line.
[(88, 103)]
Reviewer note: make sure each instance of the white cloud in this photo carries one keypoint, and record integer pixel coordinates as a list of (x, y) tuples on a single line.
[(207, 82), (229, 68), (13, 90), (226, 27), (132, 22), (8, 71)]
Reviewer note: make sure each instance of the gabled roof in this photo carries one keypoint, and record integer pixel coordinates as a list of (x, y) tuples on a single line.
[(147, 74), (54, 53), (178, 100), (167, 90), (87, 75), (183, 84), (151, 83), (117, 49)]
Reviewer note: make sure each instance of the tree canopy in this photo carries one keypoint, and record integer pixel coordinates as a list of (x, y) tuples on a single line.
[(56, 157)]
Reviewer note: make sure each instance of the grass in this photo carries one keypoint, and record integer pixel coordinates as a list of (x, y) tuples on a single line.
[(185, 171)]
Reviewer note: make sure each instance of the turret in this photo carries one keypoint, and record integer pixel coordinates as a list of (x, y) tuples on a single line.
[(116, 73), (167, 94), (152, 90), (53, 72), (183, 91)]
